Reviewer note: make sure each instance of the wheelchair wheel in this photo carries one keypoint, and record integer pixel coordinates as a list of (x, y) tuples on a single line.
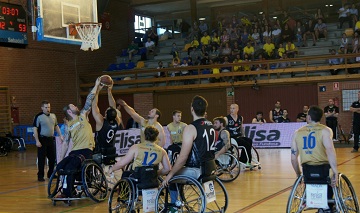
[(94, 181), (190, 196), (122, 196), (221, 203), (347, 195), (255, 158), (228, 167), (296, 202), (54, 185)]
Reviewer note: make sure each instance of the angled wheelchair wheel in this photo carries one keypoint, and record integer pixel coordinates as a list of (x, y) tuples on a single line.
[(255, 156), (54, 185), (296, 202), (347, 195), (189, 194), (228, 167), (122, 196), (221, 203), (94, 181), (234, 149)]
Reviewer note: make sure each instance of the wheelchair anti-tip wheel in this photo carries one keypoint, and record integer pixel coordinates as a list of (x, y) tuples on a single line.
[(94, 181), (228, 167), (122, 196), (296, 202)]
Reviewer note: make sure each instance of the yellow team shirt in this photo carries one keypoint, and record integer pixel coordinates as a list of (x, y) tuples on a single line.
[(205, 40), (194, 43), (81, 133), (215, 40), (176, 131), (237, 68), (269, 48), (216, 71), (281, 51), (249, 50), (148, 154), (292, 47), (310, 144)]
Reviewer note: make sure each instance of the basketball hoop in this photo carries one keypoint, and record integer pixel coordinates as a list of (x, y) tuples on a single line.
[(89, 33)]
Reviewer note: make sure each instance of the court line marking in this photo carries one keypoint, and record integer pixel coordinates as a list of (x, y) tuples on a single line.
[(246, 208)]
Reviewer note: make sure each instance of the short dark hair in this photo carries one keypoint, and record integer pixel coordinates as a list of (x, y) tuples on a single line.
[(176, 111), (221, 120), (44, 102), (259, 113), (111, 114), (158, 113), (199, 104), (151, 133), (315, 113)]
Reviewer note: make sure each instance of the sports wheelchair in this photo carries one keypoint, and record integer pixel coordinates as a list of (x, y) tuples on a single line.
[(128, 193), (344, 197), (204, 193), (89, 180), (238, 150)]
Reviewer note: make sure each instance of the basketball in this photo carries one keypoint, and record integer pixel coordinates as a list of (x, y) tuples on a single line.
[(106, 80)]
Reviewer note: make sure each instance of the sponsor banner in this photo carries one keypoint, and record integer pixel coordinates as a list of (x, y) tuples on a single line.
[(272, 135), (269, 135)]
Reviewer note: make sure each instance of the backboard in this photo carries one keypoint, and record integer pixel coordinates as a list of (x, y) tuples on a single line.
[(54, 17)]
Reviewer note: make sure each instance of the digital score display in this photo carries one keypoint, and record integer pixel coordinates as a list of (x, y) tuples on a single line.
[(13, 24)]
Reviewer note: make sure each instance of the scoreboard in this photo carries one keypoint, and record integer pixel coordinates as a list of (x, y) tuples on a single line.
[(13, 24)]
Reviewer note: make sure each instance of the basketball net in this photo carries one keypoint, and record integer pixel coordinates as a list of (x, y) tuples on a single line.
[(89, 33)]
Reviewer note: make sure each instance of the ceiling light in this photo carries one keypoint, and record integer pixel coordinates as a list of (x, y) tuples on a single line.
[(261, 13), (326, 5), (274, 17), (201, 19), (331, 5)]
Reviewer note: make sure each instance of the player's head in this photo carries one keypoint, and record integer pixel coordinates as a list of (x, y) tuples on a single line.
[(277, 104), (177, 116), (259, 114), (70, 111), (285, 112), (234, 109), (199, 105), (305, 109), (151, 133), (45, 107), (111, 114), (315, 114), (154, 113), (331, 101), (219, 123)]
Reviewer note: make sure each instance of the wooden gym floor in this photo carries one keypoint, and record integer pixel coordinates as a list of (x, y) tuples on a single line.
[(264, 190)]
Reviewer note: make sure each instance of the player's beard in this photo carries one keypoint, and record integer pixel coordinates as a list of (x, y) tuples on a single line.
[(76, 112)]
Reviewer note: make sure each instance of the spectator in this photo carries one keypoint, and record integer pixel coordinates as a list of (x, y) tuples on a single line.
[(301, 117), (150, 47), (283, 64), (258, 118), (175, 63), (175, 51), (276, 113), (237, 60), (205, 40), (287, 34), (334, 61), (160, 66), (152, 34), (225, 38), (281, 51), (269, 48), (353, 13), (132, 50), (331, 114), (344, 15), (291, 49), (284, 118), (299, 32), (356, 42), (309, 31), (276, 35), (344, 42), (319, 14), (184, 28), (235, 50), (249, 50), (193, 45), (256, 37), (245, 37), (357, 24), (267, 33), (215, 70), (214, 52), (226, 51), (226, 69), (215, 40), (203, 27), (320, 30)]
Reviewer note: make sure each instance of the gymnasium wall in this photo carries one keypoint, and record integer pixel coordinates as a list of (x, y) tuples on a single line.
[(45, 70)]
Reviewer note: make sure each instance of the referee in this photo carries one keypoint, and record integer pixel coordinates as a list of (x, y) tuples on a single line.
[(355, 108), (44, 125)]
